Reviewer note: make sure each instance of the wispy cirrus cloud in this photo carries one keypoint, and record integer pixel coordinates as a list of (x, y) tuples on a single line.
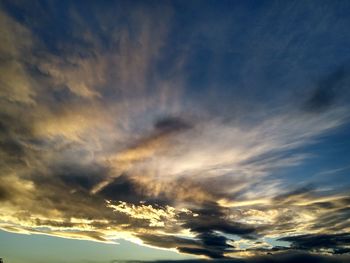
[(102, 139)]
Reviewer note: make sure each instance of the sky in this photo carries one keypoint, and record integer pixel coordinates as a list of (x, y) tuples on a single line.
[(174, 130)]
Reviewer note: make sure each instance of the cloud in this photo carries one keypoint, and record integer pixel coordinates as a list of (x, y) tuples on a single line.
[(16, 83), (101, 138), (332, 88), (171, 124), (336, 243), (208, 244), (293, 256)]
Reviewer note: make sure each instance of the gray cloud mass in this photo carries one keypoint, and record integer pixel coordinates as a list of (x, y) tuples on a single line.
[(104, 134)]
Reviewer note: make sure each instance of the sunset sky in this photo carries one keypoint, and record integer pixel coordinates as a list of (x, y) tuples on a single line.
[(174, 130)]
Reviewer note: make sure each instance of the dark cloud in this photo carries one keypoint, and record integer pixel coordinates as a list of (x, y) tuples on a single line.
[(284, 257), (208, 244), (126, 189), (171, 124), (4, 193), (12, 130), (12, 147), (167, 241), (214, 241), (79, 176), (212, 245), (212, 217), (336, 219), (305, 191), (336, 242), (329, 90), (212, 253), (332, 213), (210, 226)]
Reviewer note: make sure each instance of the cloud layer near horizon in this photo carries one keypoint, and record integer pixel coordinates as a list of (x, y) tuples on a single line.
[(104, 135)]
